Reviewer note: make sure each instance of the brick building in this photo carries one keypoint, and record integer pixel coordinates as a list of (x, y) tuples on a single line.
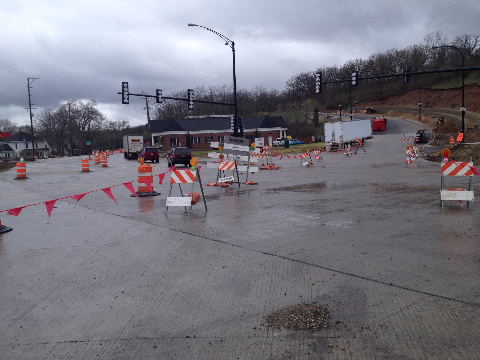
[(198, 132)]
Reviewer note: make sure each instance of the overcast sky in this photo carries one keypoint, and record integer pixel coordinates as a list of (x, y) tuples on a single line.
[(84, 49)]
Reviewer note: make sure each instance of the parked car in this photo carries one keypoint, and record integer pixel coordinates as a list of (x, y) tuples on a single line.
[(179, 155), (150, 153), (279, 142)]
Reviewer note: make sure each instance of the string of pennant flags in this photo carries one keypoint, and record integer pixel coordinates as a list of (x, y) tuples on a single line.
[(50, 204)]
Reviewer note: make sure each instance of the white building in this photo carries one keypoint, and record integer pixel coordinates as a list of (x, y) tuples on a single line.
[(23, 140), (6, 152)]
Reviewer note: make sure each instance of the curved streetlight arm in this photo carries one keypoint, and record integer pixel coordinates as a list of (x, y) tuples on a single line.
[(221, 36)]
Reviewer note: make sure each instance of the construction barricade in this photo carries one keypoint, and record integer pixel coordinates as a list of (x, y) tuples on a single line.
[(104, 160), (187, 200), (21, 170), (97, 158), (455, 168), (85, 165), (225, 180), (145, 181)]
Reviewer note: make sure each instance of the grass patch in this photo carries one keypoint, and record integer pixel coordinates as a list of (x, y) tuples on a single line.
[(4, 166)]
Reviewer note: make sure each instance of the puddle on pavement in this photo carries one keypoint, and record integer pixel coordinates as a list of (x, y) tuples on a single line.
[(402, 188), (396, 164), (345, 224), (299, 188), (146, 204)]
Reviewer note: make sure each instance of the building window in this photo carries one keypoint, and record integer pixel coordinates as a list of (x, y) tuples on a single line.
[(26, 145), (173, 142), (208, 139), (196, 140)]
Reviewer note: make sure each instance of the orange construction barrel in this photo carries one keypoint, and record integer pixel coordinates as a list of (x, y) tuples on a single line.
[(145, 181), (85, 165), (21, 170)]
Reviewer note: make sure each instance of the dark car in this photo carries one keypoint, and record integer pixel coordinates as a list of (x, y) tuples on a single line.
[(179, 155), (150, 153)]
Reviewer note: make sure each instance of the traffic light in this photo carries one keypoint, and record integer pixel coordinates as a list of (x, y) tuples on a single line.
[(125, 93), (190, 99), (158, 96), (318, 82), (355, 78)]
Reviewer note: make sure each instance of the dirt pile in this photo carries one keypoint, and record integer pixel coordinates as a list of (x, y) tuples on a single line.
[(430, 98), (460, 152), (310, 317)]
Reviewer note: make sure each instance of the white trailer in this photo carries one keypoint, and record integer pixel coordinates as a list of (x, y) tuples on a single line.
[(345, 131), (132, 144)]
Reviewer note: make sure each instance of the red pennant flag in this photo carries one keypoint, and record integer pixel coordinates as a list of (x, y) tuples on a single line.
[(78, 197), (161, 177), (281, 157), (108, 191), (129, 186), (50, 204), (16, 211), (295, 157), (288, 157), (474, 170)]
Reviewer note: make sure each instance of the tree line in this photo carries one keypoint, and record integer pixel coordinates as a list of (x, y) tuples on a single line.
[(75, 122)]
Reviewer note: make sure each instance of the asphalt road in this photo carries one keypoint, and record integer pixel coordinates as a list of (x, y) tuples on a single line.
[(362, 235)]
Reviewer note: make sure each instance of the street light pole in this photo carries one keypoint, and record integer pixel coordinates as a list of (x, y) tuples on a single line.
[(462, 109), (237, 128), (419, 111), (340, 107)]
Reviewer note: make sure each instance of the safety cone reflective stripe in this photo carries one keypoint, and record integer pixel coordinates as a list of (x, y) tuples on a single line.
[(4, 229), (85, 165), (97, 158), (104, 161), (21, 170)]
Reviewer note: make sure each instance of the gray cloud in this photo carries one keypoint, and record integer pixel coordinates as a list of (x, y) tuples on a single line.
[(84, 49)]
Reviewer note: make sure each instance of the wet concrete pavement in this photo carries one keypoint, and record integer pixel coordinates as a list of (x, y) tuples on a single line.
[(363, 235)]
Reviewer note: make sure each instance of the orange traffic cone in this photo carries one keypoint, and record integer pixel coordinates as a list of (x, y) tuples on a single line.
[(452, 140)]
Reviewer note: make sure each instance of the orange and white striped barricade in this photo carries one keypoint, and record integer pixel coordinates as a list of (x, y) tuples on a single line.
[(85, 165), (145, 181), (97, 158), (452, 140), (456, 168), (408, 138), (104, 160), (224, 180), (21, 170), (306, 160), (186, 200), (3, 228)]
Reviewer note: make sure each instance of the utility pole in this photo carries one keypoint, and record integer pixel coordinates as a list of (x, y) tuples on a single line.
[(70, 126), (147, 108), (29, 82)]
